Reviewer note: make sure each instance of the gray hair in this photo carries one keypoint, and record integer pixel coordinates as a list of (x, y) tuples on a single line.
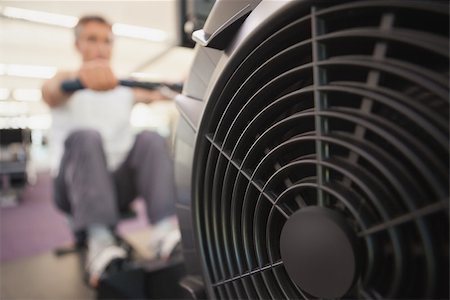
[(89, 18)]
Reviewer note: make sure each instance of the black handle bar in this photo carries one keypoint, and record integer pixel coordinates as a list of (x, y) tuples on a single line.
[(75, 85)]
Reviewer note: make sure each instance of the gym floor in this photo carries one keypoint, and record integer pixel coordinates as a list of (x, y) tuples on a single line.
[(44, 276), (29, 233)]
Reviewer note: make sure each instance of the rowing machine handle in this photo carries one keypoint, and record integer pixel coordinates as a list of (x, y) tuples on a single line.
[(75, 85)]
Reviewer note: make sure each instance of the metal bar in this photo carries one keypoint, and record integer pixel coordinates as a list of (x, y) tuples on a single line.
[(320, 102), (372, 81), (252, 272), (249, 177), (427, 210)]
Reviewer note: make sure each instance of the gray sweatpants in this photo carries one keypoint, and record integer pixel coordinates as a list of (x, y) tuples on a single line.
[(86, 190)]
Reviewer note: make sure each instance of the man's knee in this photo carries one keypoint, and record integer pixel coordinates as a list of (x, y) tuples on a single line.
[(84, 138)]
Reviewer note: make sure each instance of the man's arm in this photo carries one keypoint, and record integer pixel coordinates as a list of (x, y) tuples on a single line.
[(149, 96), (96, 75), (51, 90)]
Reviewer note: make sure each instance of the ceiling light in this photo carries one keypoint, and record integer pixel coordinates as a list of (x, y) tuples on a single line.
[(33, 71), (66, 21), (4, 94), (150, 34), (28, 95), (40, 17), (12, 108)]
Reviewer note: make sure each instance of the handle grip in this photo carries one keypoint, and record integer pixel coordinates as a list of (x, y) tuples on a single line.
[(71, 85), (76, 85)]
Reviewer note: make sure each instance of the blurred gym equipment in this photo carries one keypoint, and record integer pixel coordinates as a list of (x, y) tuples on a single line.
[(14, 155)]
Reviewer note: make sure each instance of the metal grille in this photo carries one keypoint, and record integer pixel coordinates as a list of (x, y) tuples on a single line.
[(344, 107)]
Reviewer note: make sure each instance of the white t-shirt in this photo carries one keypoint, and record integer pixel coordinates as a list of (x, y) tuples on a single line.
[(107, 112)]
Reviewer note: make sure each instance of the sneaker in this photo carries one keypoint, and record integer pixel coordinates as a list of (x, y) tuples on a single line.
[(102, 250), (165, 235), (168, 244), (97, 263)]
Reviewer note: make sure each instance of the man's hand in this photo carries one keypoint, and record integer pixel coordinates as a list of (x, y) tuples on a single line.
[(97, 75)]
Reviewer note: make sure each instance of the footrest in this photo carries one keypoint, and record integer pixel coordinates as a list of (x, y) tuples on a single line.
[(129, 283), (153, 280)]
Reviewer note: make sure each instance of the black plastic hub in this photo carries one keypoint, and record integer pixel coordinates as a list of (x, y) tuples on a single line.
[(318, 249)]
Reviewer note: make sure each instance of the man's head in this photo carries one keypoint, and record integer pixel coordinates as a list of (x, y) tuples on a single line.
[(94, 38)]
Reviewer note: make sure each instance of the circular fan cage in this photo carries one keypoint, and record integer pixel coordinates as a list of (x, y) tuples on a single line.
[(321, 166)]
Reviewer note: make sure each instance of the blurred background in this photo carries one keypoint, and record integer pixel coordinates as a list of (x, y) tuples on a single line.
[(36, 40)]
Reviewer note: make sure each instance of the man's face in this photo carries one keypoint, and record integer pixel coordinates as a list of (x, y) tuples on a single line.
[(95, 41)]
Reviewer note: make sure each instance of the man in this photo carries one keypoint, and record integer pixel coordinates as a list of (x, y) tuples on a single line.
[(99, 166)]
